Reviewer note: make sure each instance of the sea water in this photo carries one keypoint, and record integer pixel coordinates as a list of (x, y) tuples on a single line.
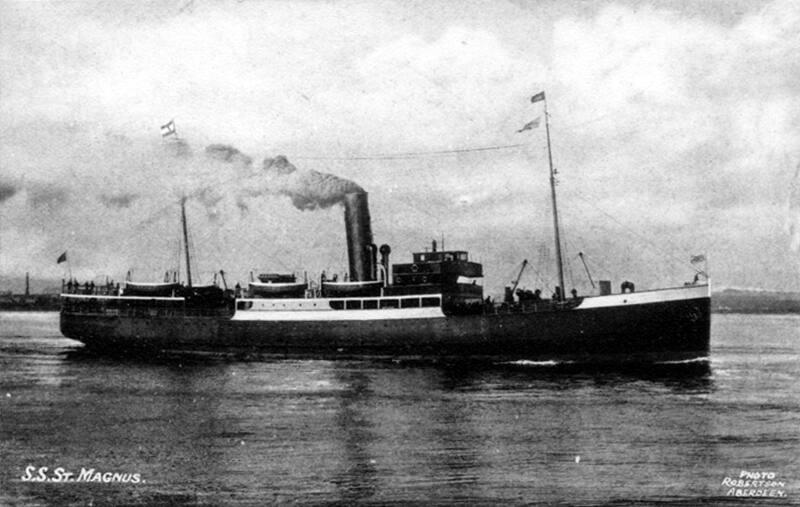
[(196, 429)]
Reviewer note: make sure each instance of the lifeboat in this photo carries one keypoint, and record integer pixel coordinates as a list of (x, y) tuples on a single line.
[(276, 278), (277, 289), (145, 289)]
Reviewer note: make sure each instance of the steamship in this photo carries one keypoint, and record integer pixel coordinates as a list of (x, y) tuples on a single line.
[(432, 306)]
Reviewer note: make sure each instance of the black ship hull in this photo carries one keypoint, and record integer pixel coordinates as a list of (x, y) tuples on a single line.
[(654, 329)]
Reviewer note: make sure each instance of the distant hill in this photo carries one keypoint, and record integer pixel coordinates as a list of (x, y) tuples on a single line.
[(755, 301)]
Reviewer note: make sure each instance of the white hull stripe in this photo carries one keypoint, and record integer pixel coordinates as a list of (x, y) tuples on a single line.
[(339, 315), (646, 297)]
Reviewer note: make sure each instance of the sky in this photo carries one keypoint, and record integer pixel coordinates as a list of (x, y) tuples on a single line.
[(675, 132)]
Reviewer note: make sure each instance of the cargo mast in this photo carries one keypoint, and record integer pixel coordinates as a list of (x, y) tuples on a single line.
[(186, 243), (555, 209)]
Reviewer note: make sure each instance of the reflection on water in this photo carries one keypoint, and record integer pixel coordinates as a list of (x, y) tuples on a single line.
[(217, 428), (357, 476)]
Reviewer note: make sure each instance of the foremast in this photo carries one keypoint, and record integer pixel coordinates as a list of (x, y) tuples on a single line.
[(561, 293)]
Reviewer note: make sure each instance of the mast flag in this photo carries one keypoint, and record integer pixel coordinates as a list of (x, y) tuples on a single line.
[(168, 129), (537, 98), (530, 125), (62, 258)]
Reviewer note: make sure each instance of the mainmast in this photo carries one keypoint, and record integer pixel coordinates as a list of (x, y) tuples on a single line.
[(186, 243), (559, 262)]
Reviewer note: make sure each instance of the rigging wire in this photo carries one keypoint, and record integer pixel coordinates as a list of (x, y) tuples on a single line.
[(413, 154), (429, 153), (543, 259), (672, 256), (568, 263)]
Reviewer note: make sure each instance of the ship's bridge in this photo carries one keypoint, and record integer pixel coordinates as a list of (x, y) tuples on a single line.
[(446, 272), (441, 268)]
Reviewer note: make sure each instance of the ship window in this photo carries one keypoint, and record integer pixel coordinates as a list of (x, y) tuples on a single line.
[(448, 257), (426, 302), (353, 305), (337, 305), (462, 256), (422, 257), (410, 303), (370, 304), (389, 303)]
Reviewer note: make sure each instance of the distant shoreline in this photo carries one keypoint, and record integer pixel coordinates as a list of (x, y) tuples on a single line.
[(30, 302), (751, 301)]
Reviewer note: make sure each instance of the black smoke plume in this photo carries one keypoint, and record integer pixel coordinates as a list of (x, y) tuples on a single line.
[(225, 153), (308, 189)]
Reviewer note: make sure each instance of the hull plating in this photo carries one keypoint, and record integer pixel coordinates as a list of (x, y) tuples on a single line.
[(666, 329)]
